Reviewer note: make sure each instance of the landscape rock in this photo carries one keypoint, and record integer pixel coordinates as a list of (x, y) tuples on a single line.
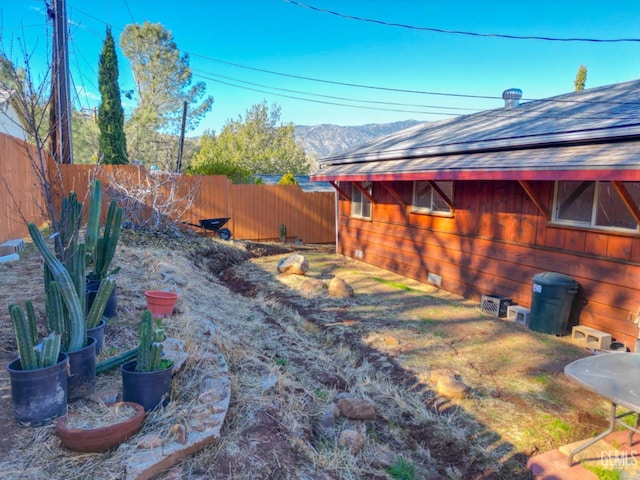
[(294, 264), (312, 285), (174, 349), (150, 441), (341, 395), (351, 440), (383, 457), (328, 420), (357, 408), (269, 382), (449, 384), (339, 288)]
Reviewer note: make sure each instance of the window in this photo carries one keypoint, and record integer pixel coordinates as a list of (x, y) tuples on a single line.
[(426, 199), (360, 204), (594, 204)]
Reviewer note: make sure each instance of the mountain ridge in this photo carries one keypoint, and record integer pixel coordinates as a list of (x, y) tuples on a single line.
[(325, 139)]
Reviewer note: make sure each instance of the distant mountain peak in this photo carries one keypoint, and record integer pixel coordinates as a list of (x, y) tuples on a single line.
[(325, 140)]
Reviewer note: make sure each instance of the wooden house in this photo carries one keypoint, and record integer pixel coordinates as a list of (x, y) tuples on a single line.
[(10, 122), (480, 203)]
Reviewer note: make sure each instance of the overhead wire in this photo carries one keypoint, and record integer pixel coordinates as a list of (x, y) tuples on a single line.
[(324, 102), (493, 113), (126, 4), (366, 86), (332, 97), (391, 89), (210, 76), (462, 32)]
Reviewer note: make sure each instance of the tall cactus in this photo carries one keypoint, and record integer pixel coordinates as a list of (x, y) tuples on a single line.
[(149, 357), (75, 309), (105, 247), (57, 321), (93, 216), (31, 316), (30, 356), (70, 222), (100, 302)]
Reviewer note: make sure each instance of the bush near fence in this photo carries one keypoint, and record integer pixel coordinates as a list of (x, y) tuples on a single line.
[(256, 212)]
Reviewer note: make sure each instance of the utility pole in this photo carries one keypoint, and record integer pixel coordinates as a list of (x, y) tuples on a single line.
[(60, 118), (181, 144)]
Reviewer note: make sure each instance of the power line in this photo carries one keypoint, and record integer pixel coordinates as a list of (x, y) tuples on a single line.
[(462, 32), (126, 4), (332, 97), (399, 90), (495, 113), (320, 101), (344, 84), (374, 87), (75, 89)]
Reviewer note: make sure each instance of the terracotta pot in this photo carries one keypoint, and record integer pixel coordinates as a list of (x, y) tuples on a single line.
[(161, 303), (102, 438)]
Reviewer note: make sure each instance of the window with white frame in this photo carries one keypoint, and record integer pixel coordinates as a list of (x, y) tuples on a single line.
[(360, 204), (426, 199), (594, 204)]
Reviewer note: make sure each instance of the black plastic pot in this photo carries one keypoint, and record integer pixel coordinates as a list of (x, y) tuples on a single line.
[(98, 334), (82, 371), (39, 395), (112, 303), (149, 389)]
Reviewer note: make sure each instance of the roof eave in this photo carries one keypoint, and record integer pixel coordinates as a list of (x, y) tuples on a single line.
[(611, 174)]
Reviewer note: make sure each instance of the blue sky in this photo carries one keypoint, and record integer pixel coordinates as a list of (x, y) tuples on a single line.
[(231, 41)]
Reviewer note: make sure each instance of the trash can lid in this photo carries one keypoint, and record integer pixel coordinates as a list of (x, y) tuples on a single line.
[(553, 278)]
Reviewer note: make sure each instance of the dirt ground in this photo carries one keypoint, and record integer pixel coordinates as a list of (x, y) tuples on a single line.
[(291, 348)]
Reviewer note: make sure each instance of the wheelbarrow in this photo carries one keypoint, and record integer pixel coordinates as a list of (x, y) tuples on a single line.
[(216, 225)]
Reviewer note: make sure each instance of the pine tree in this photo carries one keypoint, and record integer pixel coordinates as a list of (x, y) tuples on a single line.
[(112, 142)]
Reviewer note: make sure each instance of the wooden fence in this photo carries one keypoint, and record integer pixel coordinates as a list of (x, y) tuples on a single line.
[(256, 212), (20, 200)]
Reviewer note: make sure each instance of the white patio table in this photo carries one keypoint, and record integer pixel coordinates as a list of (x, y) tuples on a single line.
[(616, 377)]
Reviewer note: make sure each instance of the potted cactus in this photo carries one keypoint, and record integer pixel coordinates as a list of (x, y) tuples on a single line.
[(147, 379), (39, 375), (62, 289), (101, 248)]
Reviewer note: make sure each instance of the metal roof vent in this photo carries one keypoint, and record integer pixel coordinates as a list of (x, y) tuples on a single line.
[(511, 97)]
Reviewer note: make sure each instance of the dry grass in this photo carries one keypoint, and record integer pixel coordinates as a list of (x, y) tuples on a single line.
[(97, 415), (290, 350)]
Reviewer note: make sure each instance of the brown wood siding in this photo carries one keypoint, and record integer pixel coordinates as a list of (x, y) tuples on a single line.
[(256, 211), (496, 242)]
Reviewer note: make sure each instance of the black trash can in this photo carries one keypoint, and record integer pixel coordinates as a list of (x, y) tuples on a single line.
[(551, 300)]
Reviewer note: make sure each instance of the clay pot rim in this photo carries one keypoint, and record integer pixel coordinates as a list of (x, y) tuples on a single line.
[(97, 439), (160, 294)]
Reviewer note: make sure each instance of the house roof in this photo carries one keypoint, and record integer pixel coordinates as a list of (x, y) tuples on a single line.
[(587, 135)]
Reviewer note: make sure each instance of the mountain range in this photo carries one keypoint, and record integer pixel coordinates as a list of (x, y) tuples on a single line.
[(324, 140)]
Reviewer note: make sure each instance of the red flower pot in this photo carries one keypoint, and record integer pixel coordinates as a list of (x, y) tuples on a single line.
[(160, 303)]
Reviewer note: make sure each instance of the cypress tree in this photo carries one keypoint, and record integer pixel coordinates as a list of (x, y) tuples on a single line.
[(112, 142), (581, 78)]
